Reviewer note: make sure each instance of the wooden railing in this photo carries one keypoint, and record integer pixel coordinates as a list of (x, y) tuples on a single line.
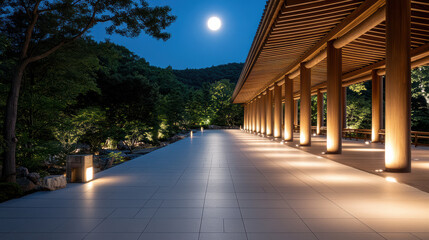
[(418, 138)]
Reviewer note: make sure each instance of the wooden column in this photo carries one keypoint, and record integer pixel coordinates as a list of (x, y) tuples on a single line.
[(263, 114), (245, 117), (320, 108), (277, 111), (398, 86), (258, 114), (334, 126), (254, 116), (377, 95), (269, 112), (289, 113), (344, 107), (295, 113), (305, 113)]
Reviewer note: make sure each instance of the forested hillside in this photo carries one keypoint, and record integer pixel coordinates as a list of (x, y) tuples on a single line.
[(197, 77)]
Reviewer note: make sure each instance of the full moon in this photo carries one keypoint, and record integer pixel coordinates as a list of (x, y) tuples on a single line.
[(214, 23)]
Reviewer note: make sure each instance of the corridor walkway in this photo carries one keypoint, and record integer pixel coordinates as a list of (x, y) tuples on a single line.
[(223, 185)]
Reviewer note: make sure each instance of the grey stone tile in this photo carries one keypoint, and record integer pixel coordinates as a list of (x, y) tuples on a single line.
[(350, 236), (146, 213), (174, 225), (169, 236), (112, 236), (281, 236), (275, 225), (119, 225), (179, 213), (221, 203), (212, 225), (221, 213), (124, 213), (268, 213), (78, 225), (223, 236), (42, 236), (336, 225), (233, 225)]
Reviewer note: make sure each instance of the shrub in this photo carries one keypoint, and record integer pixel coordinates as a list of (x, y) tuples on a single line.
[(9, 191)]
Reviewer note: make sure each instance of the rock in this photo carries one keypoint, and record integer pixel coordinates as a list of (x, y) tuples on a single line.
[(34, 177), (122, 146), (21, 172), (26, 184), (54, 182)]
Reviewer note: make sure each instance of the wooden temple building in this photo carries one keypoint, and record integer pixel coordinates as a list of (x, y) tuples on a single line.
[(311, 47)]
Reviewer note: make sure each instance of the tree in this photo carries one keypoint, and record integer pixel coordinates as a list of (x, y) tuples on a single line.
[(38, 28), (223, 111)]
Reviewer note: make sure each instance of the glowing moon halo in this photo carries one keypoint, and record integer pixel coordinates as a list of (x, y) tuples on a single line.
[(214, 23)]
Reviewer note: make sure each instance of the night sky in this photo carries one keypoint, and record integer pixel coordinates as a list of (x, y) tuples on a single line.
[(192, 44)]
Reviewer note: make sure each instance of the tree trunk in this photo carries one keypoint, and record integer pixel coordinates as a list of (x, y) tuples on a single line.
[(9, 165)]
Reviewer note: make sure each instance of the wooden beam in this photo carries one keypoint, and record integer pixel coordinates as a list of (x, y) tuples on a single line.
[(365, 10), (416, 53), (378, 17)]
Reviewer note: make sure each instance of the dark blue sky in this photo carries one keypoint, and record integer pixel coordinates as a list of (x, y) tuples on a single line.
[(192, 44)]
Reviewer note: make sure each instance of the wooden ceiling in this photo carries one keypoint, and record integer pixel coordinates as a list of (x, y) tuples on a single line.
[(295, 31)]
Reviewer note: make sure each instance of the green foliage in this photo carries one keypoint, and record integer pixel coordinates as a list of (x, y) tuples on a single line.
[(420, 99), (116, 156), (221, 110), (9, 191), (50, 87), (359, 106), (358, 88), (197, 77)]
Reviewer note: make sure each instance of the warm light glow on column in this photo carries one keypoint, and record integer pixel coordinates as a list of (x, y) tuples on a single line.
[(305, 113), (89, 174), (288, 131), (277, 111), (258, 114), (319, 112), (334, 123), (398, 86), (263, 114), (269, 111), (295, 112), (253, 116), (377, 93)]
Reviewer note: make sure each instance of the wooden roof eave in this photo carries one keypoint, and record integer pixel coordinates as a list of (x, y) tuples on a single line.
[(271, 11), (356, 17)]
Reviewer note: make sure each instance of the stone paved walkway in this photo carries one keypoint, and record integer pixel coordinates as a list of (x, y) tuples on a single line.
[(223, 185)]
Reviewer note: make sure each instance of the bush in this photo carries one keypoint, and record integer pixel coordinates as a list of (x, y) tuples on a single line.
[(9, 191)]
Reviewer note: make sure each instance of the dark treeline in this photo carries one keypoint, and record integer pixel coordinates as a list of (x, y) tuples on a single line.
[(98, 94)]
